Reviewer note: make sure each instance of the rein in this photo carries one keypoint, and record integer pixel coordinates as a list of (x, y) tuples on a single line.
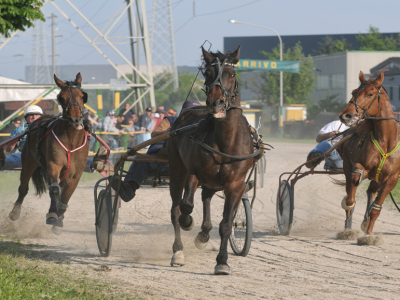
[(204, 145)]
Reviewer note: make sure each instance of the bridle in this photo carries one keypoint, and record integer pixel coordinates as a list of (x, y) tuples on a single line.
[(365, 114), (71, 104), (228, 104)]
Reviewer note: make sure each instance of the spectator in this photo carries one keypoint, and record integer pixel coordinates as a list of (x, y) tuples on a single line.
[(152, 123), (144, 119), (16, 122), (120, 121), (127, 115), (160, 108), (171, 112), (161, 115), (10, 128), (131, 129), (109, 127)]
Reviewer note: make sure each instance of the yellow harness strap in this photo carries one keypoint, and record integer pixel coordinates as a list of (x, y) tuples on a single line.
[(384, 155)]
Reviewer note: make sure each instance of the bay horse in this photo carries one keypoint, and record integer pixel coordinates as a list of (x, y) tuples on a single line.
[(191, 165), (56, 159), (372, 153)]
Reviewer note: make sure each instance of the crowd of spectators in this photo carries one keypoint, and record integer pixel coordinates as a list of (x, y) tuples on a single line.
[(138, 126)]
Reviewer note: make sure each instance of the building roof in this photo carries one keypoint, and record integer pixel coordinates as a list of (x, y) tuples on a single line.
[(392, 64), (251, 46)]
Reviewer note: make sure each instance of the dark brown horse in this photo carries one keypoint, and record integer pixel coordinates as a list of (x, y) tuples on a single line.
[(49, 164), (370, 115), (226, 130)]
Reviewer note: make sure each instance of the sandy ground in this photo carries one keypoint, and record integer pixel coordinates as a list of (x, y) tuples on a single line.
[(310, 263)]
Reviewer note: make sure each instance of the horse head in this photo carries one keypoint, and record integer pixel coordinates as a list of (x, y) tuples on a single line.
[(221, 83), (363, 104), (72, 98)]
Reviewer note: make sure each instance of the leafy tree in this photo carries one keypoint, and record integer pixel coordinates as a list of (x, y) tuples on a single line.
[(329, 104), (296, 86), (330, 45), (374, 41), (19, 14), (170, 97)]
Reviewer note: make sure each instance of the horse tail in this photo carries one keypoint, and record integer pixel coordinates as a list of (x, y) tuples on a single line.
[(338, 182), (39, 179)]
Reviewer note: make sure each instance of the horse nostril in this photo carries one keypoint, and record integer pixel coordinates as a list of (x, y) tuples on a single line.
[(347, 116)]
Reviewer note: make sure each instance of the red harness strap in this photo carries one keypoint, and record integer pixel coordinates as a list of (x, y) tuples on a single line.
[(69, 151)]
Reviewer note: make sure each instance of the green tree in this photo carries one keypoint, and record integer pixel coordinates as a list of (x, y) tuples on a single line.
[(296, 86), (374, 41), (19, 14), (330, 45), (330, 103), (170, 97)]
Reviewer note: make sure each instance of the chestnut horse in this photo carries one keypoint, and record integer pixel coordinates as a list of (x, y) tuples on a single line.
[(224, 129), (47, 160), (372, 153)]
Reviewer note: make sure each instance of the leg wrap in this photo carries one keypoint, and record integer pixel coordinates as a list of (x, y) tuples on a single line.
[(61, 208), (361, 172), (55, 189)]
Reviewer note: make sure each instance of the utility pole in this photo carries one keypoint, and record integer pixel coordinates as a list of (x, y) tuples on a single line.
[(53, 39)]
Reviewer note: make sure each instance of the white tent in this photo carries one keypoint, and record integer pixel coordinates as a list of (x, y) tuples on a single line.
[(16, 94)]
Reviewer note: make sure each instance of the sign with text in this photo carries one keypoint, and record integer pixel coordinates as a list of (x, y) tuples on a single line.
[(118, 85), (268, 65)]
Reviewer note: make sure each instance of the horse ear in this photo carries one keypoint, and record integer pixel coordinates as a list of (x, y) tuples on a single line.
[(378, 81), (361, 77), (84, 98), (208, 57), (235, 55), (59, 82), (78, 78)]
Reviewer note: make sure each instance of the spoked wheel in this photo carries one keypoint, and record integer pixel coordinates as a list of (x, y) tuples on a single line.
[(242, 229), (104, 223), (284, 208), (115, 207)]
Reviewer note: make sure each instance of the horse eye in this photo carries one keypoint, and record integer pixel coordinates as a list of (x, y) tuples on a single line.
[(370, 95)]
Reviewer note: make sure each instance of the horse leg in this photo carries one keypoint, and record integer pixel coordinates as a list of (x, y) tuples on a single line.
[(203, 236), (233, 195), (372, 189), (352, 181), (53, 172), (376, 206), (66, 193), (186, 206), (176, 190), (26, 174)]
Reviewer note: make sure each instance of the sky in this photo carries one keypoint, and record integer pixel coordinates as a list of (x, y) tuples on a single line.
[(208, 21)]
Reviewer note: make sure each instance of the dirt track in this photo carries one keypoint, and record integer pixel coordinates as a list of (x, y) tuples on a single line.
[(310, 263)]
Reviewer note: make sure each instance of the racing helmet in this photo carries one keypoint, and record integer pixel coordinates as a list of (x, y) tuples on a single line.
[(33, 110)]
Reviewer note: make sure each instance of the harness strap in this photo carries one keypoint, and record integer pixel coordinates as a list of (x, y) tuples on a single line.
[(384, 155), (69, 151), (204, 145)]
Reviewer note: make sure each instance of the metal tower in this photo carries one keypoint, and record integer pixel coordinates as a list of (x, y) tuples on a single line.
[(162, 43), (39, 70)]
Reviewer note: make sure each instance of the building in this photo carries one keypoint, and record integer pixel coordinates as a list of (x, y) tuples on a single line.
[(338, 73)]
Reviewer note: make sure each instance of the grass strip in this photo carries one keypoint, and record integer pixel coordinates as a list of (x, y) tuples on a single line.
[(25, 278)]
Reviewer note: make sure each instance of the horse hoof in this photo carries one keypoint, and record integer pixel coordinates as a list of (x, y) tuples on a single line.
[(15, 213), (345, 206), (222, 270), (364, 225), (201, 240), (56, 230), (178, 259), (190, 226), (52, 219)]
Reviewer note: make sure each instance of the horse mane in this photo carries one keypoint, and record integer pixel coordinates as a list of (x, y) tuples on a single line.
[(221, 56), (72, 83)]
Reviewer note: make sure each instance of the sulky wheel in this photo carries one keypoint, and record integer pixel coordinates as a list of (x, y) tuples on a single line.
[(242, 229), (104, 224), (115, 208), (284, 208)]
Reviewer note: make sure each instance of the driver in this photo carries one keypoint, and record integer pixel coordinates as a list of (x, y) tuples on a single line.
[(13, 161), (138, 170), (326, 139)]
